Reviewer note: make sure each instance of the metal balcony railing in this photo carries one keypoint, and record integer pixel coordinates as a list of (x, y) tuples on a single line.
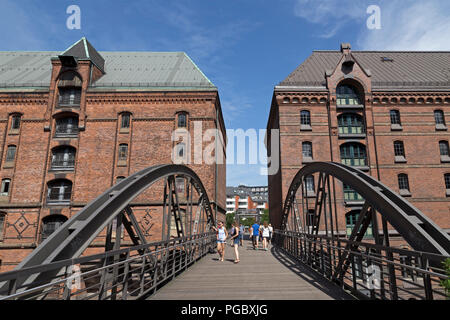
[(63, 164), (59, 197), (65, 130)]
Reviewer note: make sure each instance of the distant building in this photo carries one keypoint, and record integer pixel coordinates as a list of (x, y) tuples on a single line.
[(247, 199)]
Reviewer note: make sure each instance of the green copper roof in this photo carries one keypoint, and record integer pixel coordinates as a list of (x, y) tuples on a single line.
[(145, 70)]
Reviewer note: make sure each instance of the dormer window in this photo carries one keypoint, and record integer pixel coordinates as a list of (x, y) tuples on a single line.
[(347, 95), (182, 120)]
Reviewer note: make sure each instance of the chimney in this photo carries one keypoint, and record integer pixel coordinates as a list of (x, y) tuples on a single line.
[(346, 48)]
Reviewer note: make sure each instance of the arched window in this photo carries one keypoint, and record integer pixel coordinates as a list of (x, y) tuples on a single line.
[(443, 148), (5, 187), (59, 191), (307, 150), (63, 158), (350, 220), (182, 120), (350, 123), (66, 126), (11, 153), (50, 224), (353, 154), (15, 122), (347, 95), (125, 121)]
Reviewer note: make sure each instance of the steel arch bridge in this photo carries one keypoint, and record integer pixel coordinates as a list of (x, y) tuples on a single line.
[(367, 269)]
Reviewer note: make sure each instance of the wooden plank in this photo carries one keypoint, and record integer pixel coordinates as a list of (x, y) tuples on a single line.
[(260, 275)]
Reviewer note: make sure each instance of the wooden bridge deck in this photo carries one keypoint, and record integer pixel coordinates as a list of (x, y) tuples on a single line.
[(260, 275)]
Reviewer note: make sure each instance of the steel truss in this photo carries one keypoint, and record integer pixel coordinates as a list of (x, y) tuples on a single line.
[(310, 232), (189, 215)]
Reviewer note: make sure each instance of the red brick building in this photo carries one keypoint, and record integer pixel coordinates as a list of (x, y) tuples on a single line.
[(383, 112), (73, 123)]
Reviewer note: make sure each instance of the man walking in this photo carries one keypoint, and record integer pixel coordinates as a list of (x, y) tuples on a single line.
[(255, 237), (241, 235)]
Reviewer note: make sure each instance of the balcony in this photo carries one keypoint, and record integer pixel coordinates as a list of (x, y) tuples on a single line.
[(63, 165), (66, 131), (59, 198)]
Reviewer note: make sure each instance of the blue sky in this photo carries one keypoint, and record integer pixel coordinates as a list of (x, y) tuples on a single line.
[(245, 47)]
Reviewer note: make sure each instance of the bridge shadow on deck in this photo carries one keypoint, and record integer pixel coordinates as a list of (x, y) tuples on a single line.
[(261, 275), (310, 276)]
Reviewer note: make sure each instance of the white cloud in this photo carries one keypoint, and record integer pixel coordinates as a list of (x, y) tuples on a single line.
[(410, 25), (330, 15)]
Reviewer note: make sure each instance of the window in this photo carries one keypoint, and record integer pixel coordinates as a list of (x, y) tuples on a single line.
[(403, 183), (447, 181), (63, 158), (399, 151), (50, 224), (347, 95), (69, 97), (310, 217), (305, 119), (123, 152), (443, 148), (67, 126), (395, 117), (350, 220), (309, 184), (182, 120), (2, 224), (351, 195), (353, 154), (15, 122), (59, 191), (439, 119), (11, 153), (350, 123), (6, 183), (307, 150), (125, 123), (444, 151)]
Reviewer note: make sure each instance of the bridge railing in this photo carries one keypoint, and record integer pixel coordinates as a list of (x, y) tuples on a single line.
[(125, 274), (371, 271)]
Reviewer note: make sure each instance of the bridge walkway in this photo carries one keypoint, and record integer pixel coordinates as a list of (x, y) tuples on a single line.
[(260, 275)]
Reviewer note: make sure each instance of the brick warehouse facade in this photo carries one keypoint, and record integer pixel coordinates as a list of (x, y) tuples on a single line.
[(74, 123), (383, 112)]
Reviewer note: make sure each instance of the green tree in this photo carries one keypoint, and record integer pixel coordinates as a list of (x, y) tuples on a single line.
[(446, 283), (265, 216), (248, 222), (230, 219)]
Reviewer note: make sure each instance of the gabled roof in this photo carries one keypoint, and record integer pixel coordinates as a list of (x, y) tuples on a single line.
[(82, 49), (146, 70), (388, 69)]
